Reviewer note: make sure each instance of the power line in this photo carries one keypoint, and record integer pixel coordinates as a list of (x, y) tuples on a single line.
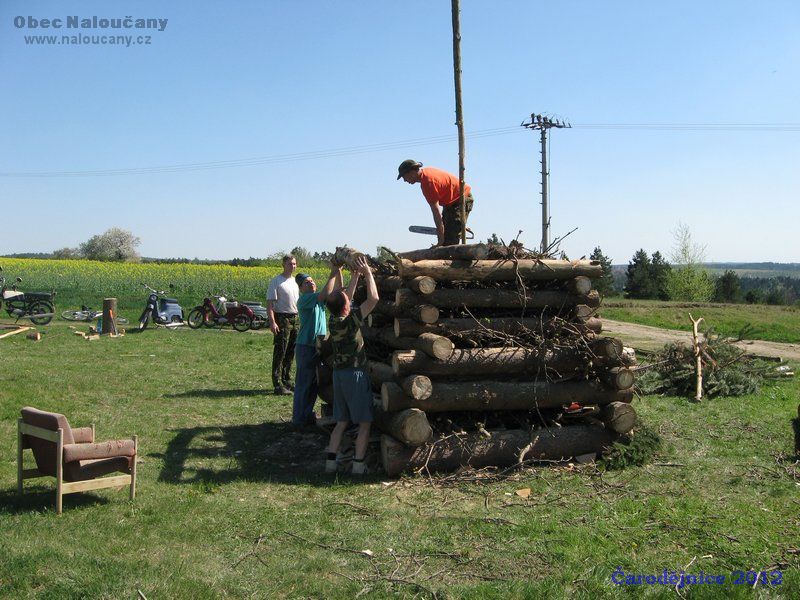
[(397, 145)]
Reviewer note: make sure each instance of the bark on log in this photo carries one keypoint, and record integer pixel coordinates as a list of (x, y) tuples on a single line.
[(619, 378), (493, 298), (500, 395), (607, 347), (488, 361), (409, 426), (108, 325), (384, 307), (379, 373), (410, 328), (424, 313), (618, 416), (459, 252), (389, 285), (416, 386), (435, 346), (346, 256), (579, 285), (377, 320), (422, 285), (583, 312), (500, 270), (503, 448)]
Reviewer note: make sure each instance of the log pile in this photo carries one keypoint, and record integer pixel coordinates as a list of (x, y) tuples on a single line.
[(490, 356)]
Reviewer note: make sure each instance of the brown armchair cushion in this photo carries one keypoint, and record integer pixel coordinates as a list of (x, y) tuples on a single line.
[(44, 451), (82, 435), (110, 449)]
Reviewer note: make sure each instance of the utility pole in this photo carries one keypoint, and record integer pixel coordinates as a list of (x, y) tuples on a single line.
[(456, 10), (543, 124)]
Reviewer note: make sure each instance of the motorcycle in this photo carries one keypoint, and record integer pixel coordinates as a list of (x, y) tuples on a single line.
[(160, 309), (260, 315), (221, 312), (36, 306)]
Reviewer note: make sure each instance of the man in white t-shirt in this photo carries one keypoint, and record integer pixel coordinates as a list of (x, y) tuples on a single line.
[(282, 296)]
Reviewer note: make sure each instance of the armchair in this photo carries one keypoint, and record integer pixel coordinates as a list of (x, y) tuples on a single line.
[(72, 456)]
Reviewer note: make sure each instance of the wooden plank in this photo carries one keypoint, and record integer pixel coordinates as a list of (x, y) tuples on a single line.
[(32, 473), (21, 329), (95, 484), (45, 434)]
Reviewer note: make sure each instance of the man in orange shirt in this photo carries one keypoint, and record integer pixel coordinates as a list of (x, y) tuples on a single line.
[(440, 188)]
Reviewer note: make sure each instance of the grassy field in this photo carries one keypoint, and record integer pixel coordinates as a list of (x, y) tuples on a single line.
[(232, 503), (771, 323)]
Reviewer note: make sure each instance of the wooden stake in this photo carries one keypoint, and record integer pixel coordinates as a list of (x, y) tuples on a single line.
[(697, 357)]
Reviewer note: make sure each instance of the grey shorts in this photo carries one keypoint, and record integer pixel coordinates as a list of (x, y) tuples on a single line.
[(352, 396)]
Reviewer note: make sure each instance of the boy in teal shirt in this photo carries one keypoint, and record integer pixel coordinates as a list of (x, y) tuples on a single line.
[(311, 310)]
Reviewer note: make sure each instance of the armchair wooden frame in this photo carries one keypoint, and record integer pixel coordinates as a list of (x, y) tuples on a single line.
[(67, 487)]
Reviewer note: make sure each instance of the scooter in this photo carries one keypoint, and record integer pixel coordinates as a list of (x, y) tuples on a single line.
[(223, 312), (260, 315), (36, 306), (160, 309)]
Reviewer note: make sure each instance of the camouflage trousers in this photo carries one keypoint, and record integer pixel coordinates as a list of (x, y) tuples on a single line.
[(283, 349), (451, 216)]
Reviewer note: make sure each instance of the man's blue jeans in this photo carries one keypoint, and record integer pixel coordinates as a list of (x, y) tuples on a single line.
[(305, 384)]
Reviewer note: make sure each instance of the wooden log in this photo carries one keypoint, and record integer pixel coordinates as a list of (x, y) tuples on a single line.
[(377, 320), (424, 313), (488, 361), (345, 256), (435, 346), (423, 285), (389, 285), (618, 416), (607, 347), (494, 298), (501, 449), (379, 373), (418, 387), (500, 395), (409, 426), (459, 252), (580, 285), (583, 312), (619, 378), (109, 314), (384, 307), (410, 328), (500, 270)]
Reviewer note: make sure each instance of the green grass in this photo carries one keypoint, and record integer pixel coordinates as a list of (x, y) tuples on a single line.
[(231, 503), (770, 323)]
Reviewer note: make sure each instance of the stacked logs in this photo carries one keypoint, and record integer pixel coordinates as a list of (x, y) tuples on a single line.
[(485, 356)]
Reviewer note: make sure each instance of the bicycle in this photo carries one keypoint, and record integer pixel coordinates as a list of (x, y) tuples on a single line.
[(87, 314)]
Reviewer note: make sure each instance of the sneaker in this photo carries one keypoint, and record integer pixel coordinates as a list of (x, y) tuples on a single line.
[(360, 468), (282, 391), (289, 386), (330, 466)]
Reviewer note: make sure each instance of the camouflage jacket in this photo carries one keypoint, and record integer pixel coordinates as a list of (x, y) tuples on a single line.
[(347, 341)]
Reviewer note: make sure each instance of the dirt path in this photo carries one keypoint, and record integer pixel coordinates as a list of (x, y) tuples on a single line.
[(645, 337)]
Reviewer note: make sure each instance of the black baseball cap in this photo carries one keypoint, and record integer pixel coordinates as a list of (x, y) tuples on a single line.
[(406, 166), (300, 278)]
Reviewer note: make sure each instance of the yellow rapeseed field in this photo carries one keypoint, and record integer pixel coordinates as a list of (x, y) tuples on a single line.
[(87, 282)]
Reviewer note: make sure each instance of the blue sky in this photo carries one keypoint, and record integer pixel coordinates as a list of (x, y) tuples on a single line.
[(233, 81)]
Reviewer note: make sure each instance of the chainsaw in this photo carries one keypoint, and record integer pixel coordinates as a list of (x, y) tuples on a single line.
[(432, 231)]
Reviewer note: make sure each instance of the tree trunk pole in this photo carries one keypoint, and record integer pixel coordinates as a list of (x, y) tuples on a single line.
[(456, 8), (108, 325)]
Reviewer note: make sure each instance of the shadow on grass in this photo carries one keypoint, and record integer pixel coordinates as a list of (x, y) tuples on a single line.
[(42, 498), (265, 452), (208, 393)]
